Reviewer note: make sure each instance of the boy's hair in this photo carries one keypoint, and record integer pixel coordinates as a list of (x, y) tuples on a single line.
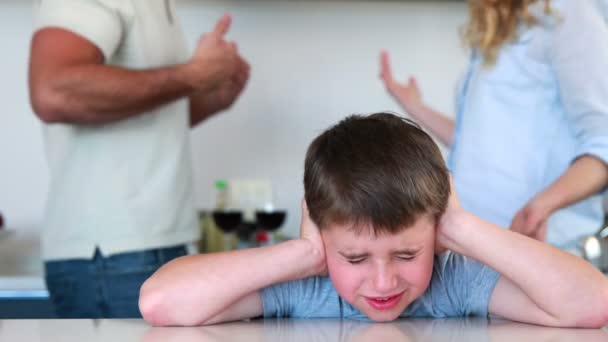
[(380, 169)]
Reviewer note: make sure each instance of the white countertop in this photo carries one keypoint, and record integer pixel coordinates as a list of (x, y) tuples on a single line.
[(475, 329)]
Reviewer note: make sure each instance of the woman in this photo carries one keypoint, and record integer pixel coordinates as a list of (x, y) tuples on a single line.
[(529, 147)]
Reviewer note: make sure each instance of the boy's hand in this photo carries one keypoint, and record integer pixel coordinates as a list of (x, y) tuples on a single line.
[(310, 232), (449, 222)]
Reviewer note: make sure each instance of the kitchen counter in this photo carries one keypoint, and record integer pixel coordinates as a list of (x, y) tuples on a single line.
[(473, 329), (23, 292), (21, 272)]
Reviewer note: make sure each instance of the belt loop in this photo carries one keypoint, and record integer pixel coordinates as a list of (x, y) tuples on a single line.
[(98, 260), (97, 255)]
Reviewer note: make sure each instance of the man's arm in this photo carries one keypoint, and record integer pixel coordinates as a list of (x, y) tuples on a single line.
[(539, 284), (70, 83)]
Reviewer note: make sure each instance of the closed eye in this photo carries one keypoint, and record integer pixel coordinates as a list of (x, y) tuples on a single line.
[(407, 257), (356, 261)]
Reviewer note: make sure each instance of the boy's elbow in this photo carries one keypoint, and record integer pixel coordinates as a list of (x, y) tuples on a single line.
[(602, 317), (157, 309), (151, 306), (602, 320), (597, 320), (598, 317)]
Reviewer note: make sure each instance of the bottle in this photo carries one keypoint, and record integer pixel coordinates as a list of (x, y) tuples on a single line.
[(225, 218), (221, 200)]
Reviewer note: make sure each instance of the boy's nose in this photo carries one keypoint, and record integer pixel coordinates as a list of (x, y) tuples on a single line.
[(385, 280)]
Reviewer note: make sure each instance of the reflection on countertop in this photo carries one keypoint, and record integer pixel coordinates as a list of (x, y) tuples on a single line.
[(467, 329)]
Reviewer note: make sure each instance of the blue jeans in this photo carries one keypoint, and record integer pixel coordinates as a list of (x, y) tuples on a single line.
[(103, 287)]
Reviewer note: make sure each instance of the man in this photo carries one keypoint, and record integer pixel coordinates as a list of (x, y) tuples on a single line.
[(115, 85)]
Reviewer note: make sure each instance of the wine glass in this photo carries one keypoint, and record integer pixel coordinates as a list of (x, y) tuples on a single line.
[(228, 221)]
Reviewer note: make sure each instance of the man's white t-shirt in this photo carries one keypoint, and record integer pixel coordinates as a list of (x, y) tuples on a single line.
[(127, 185)]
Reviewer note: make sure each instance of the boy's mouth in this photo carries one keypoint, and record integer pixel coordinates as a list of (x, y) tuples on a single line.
[(384, 303)]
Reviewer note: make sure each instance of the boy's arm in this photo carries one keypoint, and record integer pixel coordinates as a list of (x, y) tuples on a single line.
[(212, 288), (539, 284)]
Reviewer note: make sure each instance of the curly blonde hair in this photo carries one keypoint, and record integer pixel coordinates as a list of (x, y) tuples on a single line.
[(494, 23)]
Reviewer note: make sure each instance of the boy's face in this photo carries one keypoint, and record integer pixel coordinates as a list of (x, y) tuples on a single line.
[(380, 275)]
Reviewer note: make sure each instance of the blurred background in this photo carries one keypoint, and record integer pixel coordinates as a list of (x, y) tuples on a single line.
[(313, 63)]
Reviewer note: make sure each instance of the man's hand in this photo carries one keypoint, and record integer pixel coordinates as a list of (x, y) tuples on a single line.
[(408, 95), (531, 220), (230, 90), (220, 74), (310, 232), (204, 104), (215, 60)]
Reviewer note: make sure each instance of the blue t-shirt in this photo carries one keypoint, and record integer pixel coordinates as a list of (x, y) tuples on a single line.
[(459, 287)]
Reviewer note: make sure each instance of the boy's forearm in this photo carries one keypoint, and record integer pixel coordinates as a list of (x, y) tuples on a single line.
[(558, 282), (194, 289)]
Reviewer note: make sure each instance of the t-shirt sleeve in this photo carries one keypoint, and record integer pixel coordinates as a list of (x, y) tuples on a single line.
[(471, 282), (459, 287), (313, 297), (93, 20)]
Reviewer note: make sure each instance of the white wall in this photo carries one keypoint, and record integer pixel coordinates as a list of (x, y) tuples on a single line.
[(314, 62), (23, 171)]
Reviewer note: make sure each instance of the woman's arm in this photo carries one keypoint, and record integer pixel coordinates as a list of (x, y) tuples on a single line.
[(585, 177), (409, 98)]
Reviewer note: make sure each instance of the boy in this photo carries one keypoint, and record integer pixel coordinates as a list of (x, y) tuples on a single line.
[(377, 218)]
